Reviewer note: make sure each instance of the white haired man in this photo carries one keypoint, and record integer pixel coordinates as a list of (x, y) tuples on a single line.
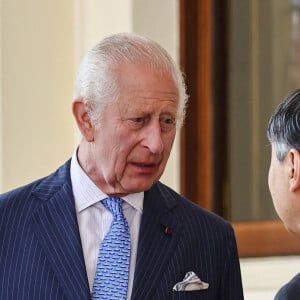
[(55, 233)]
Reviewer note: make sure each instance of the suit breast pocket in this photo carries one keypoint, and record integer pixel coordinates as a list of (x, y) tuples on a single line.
[(190, 295)]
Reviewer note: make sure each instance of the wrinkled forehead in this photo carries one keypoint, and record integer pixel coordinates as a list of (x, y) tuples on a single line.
[(135, 101), (135, 74), (141, 86)]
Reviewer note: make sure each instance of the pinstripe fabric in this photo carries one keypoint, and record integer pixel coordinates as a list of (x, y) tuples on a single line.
[(198, 241), (41, 256), (40, 249)]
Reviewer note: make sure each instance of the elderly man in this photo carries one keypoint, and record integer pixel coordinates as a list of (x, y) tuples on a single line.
[(103, 226), (284, 174)]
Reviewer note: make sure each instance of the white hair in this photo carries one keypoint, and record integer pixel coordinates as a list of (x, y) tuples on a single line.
[(97, 84)]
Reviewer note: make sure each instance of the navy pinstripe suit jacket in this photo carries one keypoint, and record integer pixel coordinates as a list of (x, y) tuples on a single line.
[(41, 255)]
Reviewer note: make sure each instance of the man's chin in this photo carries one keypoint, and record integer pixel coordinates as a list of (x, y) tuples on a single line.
[(139, 187)]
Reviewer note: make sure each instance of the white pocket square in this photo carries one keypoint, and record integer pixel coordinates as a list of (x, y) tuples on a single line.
[(190, 282)]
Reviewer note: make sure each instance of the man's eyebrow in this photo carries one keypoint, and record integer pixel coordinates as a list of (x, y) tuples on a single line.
[(168, 96)]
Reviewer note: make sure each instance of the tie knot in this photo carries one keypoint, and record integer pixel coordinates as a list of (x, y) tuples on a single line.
[(114, 205)]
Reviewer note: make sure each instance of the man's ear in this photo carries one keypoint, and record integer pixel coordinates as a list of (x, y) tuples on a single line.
[(83, 120), (294, 165)]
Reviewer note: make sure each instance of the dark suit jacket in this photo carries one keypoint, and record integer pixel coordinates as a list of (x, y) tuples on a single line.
[(41, 255), (290, 291)]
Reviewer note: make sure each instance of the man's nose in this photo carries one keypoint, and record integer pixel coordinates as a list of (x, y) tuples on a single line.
[(153, 138)]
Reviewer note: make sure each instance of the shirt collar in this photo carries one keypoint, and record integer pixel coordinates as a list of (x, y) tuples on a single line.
[(86, 193)]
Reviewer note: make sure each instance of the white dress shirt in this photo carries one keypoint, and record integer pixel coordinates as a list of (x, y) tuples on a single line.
[(94, 220)]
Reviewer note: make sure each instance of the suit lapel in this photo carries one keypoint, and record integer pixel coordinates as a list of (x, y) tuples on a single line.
[(158, 238), (55, 226)]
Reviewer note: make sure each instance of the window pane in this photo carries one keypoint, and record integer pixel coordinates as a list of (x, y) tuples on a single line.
[(263, 68)]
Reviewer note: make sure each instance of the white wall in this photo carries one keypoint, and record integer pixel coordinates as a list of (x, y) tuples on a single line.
[(37, 72)]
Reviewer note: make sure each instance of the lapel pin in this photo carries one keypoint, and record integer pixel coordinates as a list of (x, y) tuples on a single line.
[(169, 230)]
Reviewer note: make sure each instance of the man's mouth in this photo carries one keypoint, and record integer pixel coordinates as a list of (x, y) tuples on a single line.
[(144, 165)]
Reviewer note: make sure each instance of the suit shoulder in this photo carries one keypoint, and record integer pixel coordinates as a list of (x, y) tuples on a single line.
[(18, 192), (40, 186)]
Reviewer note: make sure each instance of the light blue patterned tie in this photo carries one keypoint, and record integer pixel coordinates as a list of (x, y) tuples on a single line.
[(111, 278)]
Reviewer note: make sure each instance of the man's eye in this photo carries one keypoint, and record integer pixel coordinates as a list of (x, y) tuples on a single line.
[(167, 123), (136, 123), (138, 120)]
